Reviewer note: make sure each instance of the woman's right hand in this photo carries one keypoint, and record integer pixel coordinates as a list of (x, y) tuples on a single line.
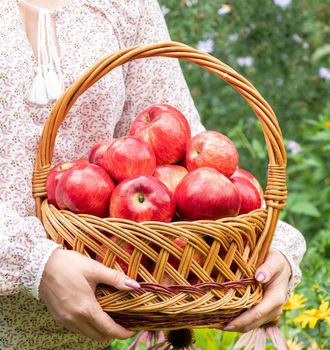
[(67, 288)]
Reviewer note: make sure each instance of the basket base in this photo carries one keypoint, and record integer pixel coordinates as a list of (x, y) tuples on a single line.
[(156, 321), (138, 317)]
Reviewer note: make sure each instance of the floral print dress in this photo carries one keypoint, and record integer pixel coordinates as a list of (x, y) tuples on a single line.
[(86, 31)]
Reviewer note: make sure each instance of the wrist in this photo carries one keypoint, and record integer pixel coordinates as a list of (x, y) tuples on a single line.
[(283, 260), (48, 270), (34, 265)]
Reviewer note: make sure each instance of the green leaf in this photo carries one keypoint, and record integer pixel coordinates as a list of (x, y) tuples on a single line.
[(305, 208), (321, 136), (259, 148), (207, 338), (321, 52), (228, 340)]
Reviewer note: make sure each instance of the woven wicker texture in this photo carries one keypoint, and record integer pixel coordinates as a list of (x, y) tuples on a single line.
[(195, 294)]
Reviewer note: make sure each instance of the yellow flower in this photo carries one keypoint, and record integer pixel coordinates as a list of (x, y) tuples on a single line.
[(327, 124), (224, 9), (296, 301), (315, 286), (325, 311), (311, 316), (314, 346), (294, 344)]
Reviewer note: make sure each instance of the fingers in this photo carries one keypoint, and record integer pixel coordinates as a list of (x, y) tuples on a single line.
[(117, 279), (102, 322), (274, 264), (85, 329), (107, 326), (69, 282), (75, 321), (266, 311), (89, 319), (261, 319)]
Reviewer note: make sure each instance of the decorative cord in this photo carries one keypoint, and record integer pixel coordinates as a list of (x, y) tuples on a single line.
[(48, 83)]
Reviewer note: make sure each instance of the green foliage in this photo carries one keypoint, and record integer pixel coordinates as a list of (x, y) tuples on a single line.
[(309, 181), (281, 51)]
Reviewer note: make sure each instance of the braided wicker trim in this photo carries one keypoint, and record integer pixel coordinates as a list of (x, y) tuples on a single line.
[(276, 192)]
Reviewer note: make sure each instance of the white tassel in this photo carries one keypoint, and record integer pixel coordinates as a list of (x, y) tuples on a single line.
[(48, 84), (38, 93), (54, 79), (53, 84)]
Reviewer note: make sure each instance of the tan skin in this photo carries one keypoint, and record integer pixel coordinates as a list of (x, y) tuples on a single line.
[(69, 276)]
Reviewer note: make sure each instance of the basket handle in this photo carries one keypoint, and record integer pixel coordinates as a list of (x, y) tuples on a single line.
[(275, 194)]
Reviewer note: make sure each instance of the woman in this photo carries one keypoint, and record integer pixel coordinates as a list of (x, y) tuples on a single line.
[(41, 284)]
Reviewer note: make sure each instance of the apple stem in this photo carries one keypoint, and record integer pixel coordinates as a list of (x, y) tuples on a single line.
[(140, 198), (147, 119)]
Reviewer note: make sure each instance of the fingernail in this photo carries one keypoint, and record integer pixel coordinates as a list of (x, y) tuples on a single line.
[(229, 328), (260, 277), (131, 283)]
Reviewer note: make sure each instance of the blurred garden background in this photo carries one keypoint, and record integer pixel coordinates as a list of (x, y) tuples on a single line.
[(283, 48)]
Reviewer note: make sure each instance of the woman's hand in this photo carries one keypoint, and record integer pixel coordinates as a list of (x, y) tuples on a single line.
[(67, 288), (274, 273)]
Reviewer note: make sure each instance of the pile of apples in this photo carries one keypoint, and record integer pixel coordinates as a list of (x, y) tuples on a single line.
[(157, 172)]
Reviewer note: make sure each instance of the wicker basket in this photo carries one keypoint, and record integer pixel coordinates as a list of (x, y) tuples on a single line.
[(232, 247)]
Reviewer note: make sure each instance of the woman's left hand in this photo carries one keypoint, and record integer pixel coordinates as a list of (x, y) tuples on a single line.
[(274, 273)]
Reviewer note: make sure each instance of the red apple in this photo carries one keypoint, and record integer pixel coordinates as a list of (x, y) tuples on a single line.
[(129, 156), (250, 197), (165, 129), (206, 194), (181, 243), (170, 175), (52, 180), (142, 198), (248, 176), (86, 189), (83, 160), (96, 153), (128, 248), (182, 162), (212, 149), (175, 262)]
